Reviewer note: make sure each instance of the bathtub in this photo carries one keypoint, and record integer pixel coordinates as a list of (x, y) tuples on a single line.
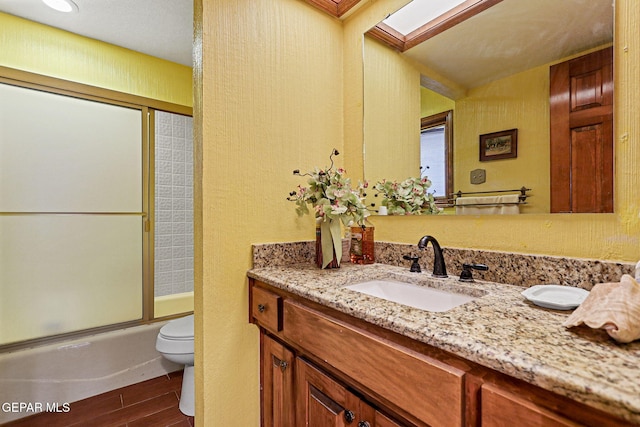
[(53, 376)]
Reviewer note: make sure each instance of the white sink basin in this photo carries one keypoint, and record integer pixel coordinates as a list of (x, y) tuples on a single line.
[(421, 297)]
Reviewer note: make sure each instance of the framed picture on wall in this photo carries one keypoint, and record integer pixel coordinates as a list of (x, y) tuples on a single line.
[(499, 145)]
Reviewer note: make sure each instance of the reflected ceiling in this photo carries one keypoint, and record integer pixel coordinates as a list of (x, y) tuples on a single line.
[(513, 36)]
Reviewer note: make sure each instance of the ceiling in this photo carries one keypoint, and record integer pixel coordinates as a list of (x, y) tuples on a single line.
[(513, 36), (160, 28)]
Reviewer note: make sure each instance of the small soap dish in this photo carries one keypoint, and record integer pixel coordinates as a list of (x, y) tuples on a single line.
[(555, 296)]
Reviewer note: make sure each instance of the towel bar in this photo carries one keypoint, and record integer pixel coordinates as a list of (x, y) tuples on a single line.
[(522, 197)]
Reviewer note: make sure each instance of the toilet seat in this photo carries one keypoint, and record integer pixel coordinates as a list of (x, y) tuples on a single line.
[(178, 329), (176, 337)]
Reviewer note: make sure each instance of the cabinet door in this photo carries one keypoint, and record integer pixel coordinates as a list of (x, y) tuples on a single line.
[(384, 421), (322, 402), (501, 408), (277, 364)]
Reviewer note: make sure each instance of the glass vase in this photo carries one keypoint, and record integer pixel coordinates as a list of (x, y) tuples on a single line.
[(362, 244)]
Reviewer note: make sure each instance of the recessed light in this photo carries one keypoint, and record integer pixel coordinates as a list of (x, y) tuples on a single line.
[(62, 5)]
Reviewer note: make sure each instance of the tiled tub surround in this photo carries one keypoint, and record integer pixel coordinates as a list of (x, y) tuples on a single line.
[(500, 330), (173, 204), (514, 269)]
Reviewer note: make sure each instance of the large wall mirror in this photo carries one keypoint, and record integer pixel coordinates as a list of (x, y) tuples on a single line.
[(492, 69)]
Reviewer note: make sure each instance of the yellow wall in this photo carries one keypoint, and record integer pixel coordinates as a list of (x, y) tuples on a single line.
[(40, 49), (354, 27), (271, 101), (598, 236), (390, 92), (520, 101), (433, 103)]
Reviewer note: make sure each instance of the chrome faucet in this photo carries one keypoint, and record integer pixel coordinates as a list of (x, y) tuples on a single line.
[(439, 269)]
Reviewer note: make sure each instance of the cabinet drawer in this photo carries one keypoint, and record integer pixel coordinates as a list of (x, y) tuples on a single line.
[(426, 388), (266, 308), (501, 408)]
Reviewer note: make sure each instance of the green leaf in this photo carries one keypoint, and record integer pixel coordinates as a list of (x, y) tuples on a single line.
[(331, 240), (336, 232), (326, 243)]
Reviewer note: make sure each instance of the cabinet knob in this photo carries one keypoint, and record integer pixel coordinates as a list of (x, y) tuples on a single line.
[(349, 416), (283, 365), (364, 424), (261, 308)]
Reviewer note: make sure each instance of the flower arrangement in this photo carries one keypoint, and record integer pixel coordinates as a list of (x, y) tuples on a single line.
[(409, 197), (334, 201)]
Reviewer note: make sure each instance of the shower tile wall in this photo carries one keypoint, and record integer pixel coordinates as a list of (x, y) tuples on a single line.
[(173, 204)]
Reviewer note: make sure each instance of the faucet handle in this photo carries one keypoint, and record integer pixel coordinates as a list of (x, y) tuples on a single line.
[(466, 274), (415, 266)]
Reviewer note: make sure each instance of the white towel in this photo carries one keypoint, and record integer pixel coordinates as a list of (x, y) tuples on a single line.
[(488, 205)]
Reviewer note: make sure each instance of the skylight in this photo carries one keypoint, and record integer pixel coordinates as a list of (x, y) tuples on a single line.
[(419, 12)]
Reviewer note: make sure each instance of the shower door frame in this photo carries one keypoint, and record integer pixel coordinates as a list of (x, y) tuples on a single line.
[(54, 85)]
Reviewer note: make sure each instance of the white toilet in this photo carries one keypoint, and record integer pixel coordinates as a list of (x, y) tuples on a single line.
[(175, 343)]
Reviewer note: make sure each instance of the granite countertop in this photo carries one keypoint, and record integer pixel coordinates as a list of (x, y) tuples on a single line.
[(500, 330)]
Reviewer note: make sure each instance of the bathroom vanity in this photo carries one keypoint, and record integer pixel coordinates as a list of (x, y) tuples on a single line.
[(331, 356)]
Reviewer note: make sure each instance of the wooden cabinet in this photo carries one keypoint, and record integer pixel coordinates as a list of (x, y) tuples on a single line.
[(266, 308), (383, 421), (294, 391), (311, 397), (424, 388), (322, 402), (276, 383), (501, 408), (321, 368)]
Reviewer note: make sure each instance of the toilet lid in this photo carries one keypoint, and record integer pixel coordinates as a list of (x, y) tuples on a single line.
[(179, 328)]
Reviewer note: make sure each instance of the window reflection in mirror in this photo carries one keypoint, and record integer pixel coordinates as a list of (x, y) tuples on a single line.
[(436, 153)]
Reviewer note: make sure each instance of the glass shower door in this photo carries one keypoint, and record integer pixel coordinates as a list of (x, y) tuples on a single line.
[(71, 214)]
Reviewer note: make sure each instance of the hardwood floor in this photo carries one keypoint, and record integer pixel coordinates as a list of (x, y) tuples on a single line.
[(152, 403)]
